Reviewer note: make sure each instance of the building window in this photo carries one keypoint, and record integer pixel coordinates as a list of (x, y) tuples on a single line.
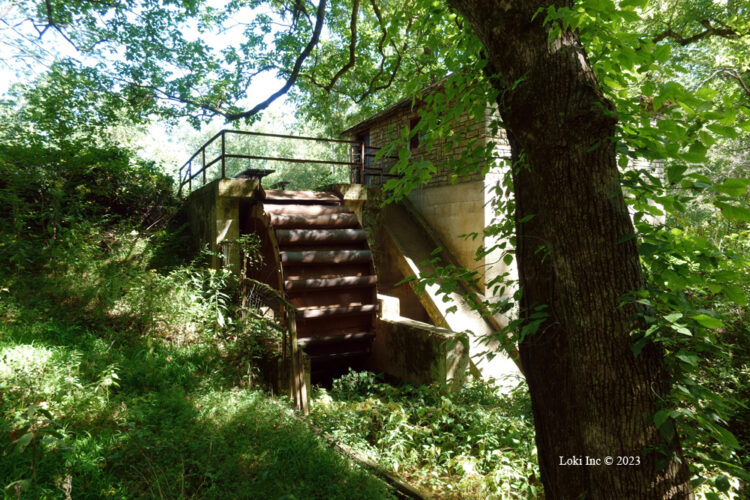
[(415, 140)]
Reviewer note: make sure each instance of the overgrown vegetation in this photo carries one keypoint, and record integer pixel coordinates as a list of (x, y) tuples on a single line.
[(475, 443), (119, 379), (121, 366)]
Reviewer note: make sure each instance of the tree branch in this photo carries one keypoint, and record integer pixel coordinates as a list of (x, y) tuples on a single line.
[(734, 74), (372, 88), (381, 42), (319, 20), (723, 32), (352, 47), (729, 72)]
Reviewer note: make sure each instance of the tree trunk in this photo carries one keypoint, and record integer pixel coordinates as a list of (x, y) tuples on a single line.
[(592, 398)]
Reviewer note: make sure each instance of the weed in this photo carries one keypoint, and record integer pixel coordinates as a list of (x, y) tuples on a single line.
[(474, 443)]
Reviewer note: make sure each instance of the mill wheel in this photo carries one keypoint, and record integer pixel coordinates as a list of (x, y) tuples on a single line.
[(317, 255)]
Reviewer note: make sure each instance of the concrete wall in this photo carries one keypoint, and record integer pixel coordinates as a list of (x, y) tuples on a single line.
[(214, 217), (453, 210), (367, 204), (419, 353), (455, 206)]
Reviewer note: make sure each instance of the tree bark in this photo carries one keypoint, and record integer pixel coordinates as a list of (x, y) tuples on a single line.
[(591, 397)]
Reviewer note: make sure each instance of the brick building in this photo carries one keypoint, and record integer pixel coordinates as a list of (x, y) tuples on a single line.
[(453, 206)]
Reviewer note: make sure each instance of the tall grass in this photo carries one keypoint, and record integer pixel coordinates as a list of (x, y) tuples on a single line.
[(118, 381)]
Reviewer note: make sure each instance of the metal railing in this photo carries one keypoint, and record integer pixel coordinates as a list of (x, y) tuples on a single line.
[(360, 168)]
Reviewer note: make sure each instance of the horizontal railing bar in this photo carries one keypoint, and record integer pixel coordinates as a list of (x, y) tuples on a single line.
[(283, 136), (218, 158), (212, 139), (185, 174), (291, 160)]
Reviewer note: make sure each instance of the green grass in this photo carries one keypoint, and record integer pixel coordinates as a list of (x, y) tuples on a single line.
[(475, 443), (117, 382), (156, 422)]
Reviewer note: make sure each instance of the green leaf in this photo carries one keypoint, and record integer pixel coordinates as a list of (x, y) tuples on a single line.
[(667, 430), (661, 53), (736, 294), (22, 442), (722, 484), (638, 346), (726, 438), (661, 416), (688, 357), (675, 173), (733, 187), (708, 321), (673, 317), (681, 329), (734, 212), (722, 130)]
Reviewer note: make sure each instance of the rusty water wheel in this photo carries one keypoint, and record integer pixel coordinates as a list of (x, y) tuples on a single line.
[(316, 254)]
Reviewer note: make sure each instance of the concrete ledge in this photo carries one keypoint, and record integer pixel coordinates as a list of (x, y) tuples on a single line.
[(419, 353), (214, 217), (238, 188), (389, 307)]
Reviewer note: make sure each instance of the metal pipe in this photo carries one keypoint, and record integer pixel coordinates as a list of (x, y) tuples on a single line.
[(357, 166), (223, 151), (284, 136), (291, 160), (362, 161)]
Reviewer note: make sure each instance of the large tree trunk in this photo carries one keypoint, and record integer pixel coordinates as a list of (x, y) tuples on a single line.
[(591, 396)]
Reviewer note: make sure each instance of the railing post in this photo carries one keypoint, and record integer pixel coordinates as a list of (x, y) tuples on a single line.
[(223, 151), (381, 172), (362, 163), (190, 176), (296, 365), (180, 180), (352, 168), (204, 165)]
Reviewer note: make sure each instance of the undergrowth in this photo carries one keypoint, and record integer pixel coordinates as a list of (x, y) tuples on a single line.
[(133, 391), (126, 368), (474, 443)]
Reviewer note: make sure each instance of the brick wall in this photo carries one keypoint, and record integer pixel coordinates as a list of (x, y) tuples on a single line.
[(469, 131)]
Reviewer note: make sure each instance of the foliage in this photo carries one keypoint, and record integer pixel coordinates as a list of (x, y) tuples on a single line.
[(473, 443), (675, 71), (119, 379), (129, 386), (691, 219), (173, 425)]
